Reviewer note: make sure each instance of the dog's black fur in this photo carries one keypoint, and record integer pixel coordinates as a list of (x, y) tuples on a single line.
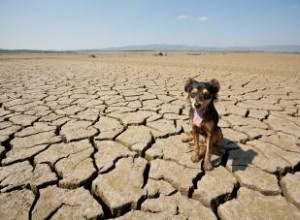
[(202, 96)]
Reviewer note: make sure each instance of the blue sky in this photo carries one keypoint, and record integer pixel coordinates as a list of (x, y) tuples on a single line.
[(84, 24)]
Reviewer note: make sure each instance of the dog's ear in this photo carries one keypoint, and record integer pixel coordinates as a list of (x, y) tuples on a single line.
[(188, 85), (215, 85)]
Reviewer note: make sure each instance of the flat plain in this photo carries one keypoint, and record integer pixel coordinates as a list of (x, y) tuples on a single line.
[(100, 138)]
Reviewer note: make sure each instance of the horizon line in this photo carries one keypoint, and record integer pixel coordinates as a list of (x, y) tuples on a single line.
[(142, 47)]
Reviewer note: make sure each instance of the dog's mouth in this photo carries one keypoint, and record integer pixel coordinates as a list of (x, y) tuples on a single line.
[(198, 117)]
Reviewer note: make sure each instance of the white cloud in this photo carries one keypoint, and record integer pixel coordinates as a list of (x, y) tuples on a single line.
[(204, 18), (182, 17)]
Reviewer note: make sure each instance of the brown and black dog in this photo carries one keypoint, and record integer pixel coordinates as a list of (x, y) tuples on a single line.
[(203, 119)]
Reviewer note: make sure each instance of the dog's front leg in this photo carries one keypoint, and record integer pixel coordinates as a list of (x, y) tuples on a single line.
[(195, 157), (190, 135), (217, 142), (207, 160)]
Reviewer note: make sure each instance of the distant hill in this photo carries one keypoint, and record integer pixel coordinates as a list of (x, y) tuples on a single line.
[(269, 48), (171, 48), (166, 47)]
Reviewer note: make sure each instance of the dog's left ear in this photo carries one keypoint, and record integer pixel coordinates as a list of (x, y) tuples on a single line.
[(188, 85), (215, 85)]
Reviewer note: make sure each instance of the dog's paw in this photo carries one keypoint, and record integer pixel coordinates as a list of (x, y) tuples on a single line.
[(207, 166), (195, 158)]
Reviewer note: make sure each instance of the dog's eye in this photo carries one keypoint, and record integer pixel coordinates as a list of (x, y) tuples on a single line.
[(206, 96), (193, 95)]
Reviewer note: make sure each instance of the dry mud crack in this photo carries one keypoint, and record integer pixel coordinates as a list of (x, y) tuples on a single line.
[(101, 138)]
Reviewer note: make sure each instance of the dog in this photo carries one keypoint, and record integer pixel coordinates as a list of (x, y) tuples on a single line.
[(203, 119)]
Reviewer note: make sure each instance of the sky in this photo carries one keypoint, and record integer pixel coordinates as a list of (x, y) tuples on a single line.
[(94, 24)]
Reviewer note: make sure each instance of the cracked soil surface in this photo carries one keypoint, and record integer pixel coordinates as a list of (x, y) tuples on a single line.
[(84, 138)]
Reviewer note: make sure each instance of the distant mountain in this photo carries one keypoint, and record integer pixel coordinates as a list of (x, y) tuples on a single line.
[(187, 48), (158, 47), (171, 48), (268, 48)]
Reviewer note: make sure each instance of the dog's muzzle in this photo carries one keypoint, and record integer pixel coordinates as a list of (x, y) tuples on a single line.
[(197, 105)]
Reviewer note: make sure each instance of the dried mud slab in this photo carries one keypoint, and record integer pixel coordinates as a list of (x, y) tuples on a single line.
[(254, 205), (117, 196), (77, 130), (60, 203), (76, 169), (163, 128), (137, 138), (214, 186), (15, 176), (23, 120), (16, 204), (71, 161), (25, 147), (6, 132), (42, 175), (109, 128), (159, 187), (109, 152), (137, 215), (178, 206), (37, 128), (132, 118), (172, 148), (171, 171), (257, 179), (290, 188)]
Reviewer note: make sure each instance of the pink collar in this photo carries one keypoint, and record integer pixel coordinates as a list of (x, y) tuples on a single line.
[(198, 117)]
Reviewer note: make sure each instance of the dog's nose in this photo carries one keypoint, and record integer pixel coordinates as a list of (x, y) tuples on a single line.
[(197, 105)]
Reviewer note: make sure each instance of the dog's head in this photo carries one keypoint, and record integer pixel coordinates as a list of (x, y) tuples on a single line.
[(201, 94)]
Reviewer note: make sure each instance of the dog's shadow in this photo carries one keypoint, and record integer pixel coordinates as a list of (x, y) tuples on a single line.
[(230, 154), (235, 155)]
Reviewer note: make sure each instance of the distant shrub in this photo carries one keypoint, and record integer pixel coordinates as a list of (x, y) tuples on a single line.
[(160, 54)]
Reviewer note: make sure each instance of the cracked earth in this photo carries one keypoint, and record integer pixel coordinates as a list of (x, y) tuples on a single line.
[(85, 138)]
